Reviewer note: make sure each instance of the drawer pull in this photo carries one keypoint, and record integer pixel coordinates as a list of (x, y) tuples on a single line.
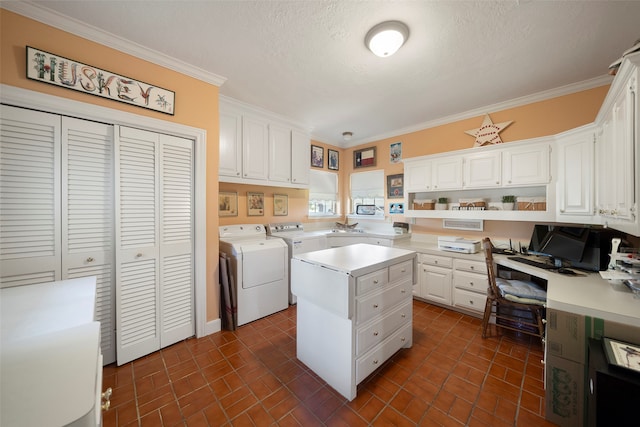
[(435, 262), (139, 255), (375, 362), (403, 339), (375, 305), (403, 271), (471, 267), (375, 334), (375, 282), (403, 315), (403, 291), (90, 259), (471, 302), (471, 283)]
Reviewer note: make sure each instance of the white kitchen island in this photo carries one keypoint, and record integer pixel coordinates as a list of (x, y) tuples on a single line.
[(354, 310)]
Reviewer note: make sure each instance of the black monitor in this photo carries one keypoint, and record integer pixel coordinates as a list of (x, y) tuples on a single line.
[(559, 242)]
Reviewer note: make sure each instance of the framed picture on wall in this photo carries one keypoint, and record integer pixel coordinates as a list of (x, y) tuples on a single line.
[(227, 203), (364, 158), (395, 186), (255, 204), (280, 205), (333, 159), (317, 156)]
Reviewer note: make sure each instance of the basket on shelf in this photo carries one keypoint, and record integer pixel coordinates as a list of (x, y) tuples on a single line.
[(532, 204), (472, 204), (423, 204)]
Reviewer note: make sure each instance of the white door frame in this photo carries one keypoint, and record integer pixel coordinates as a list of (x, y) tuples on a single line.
[(40, 101)]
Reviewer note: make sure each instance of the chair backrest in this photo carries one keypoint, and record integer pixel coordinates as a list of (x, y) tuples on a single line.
[(487, 247)]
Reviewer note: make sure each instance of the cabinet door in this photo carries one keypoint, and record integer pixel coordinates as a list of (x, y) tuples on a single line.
[(576, 175), (230, 144), (624, 160), (255, 148), (482, 170), (417, 176), (526, 165), (30, 144), (435, 284), (279, 153), (447, 173), (300, 157), (605, 169), (87, 217)]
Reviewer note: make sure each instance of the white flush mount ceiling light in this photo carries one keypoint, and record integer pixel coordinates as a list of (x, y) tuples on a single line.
[(386, 38), (347, 136)]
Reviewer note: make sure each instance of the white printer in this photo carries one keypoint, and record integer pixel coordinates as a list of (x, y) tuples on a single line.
[(458, 244)]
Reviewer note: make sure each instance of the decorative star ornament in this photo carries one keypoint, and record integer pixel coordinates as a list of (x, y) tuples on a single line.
[(488, 133)]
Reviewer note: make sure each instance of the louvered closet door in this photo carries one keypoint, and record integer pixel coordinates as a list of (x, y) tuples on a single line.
[(88, 216), (154, 237), (29, 197)]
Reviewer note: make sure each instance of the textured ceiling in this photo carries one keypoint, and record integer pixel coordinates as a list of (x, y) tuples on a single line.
[(306, 60)]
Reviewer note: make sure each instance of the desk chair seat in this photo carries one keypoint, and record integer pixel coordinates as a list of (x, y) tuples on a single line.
[(516, 305)]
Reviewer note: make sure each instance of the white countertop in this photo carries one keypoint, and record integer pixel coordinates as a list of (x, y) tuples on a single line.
[(588, 295), (356, 259)]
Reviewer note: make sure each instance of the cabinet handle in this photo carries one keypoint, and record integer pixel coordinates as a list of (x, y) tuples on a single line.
[(375, 362), (375, 282), (471, 302), (435, 262), (471, 283), (471, 267), (139, 255), (90, 259), (404, 291), (497, 182), (237, 173), (403, 339), (375, 334), (375, 305), (403, 315), (107, 394), (403, 271)]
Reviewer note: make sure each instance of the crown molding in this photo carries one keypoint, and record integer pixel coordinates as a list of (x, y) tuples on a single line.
[(80, 29), (517, 102)]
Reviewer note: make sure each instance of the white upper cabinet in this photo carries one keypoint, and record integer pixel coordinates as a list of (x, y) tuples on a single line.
[(279, 153), (482, 169), (618, 159), (230, 144), (526, 164), (300, 157), (417, 175), (447, 173), (256, 148), (575, 172)]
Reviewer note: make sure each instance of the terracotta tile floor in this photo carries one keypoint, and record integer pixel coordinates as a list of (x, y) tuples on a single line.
[(251, 377)]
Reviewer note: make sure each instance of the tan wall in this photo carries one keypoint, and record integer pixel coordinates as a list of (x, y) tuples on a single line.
[(196, 101)]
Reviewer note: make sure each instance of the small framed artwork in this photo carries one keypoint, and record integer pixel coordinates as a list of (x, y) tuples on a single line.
[(317, 156), (396, 208), (364, 158), (622, 354), (255, 204), (280, 204), (227, 203), (333, 159), (395, 152), (395, 186)]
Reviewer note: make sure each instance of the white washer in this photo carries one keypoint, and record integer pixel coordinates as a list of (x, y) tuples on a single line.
[(299, 242), (260, 269)]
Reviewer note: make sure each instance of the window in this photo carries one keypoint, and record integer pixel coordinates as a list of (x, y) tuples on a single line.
[(367, 188), (323, 193)]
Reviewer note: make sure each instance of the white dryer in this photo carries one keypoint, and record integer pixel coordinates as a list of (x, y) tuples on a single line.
[(299, 242), (260, 269)]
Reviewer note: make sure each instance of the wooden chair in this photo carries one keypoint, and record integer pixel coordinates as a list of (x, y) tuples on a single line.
[(512, 314)]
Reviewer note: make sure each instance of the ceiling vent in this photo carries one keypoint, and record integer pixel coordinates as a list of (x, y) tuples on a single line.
[(463, 224)]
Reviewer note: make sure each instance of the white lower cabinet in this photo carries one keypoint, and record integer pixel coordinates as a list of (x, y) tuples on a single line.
[(469, 284), (452, 282), (435, 278)]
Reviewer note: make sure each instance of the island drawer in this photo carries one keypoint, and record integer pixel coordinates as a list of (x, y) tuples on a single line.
[(379, 354), (377, 303), (371, 281), (400, 271)]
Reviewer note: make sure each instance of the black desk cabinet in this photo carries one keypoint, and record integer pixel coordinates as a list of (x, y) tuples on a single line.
[(613, 394)]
